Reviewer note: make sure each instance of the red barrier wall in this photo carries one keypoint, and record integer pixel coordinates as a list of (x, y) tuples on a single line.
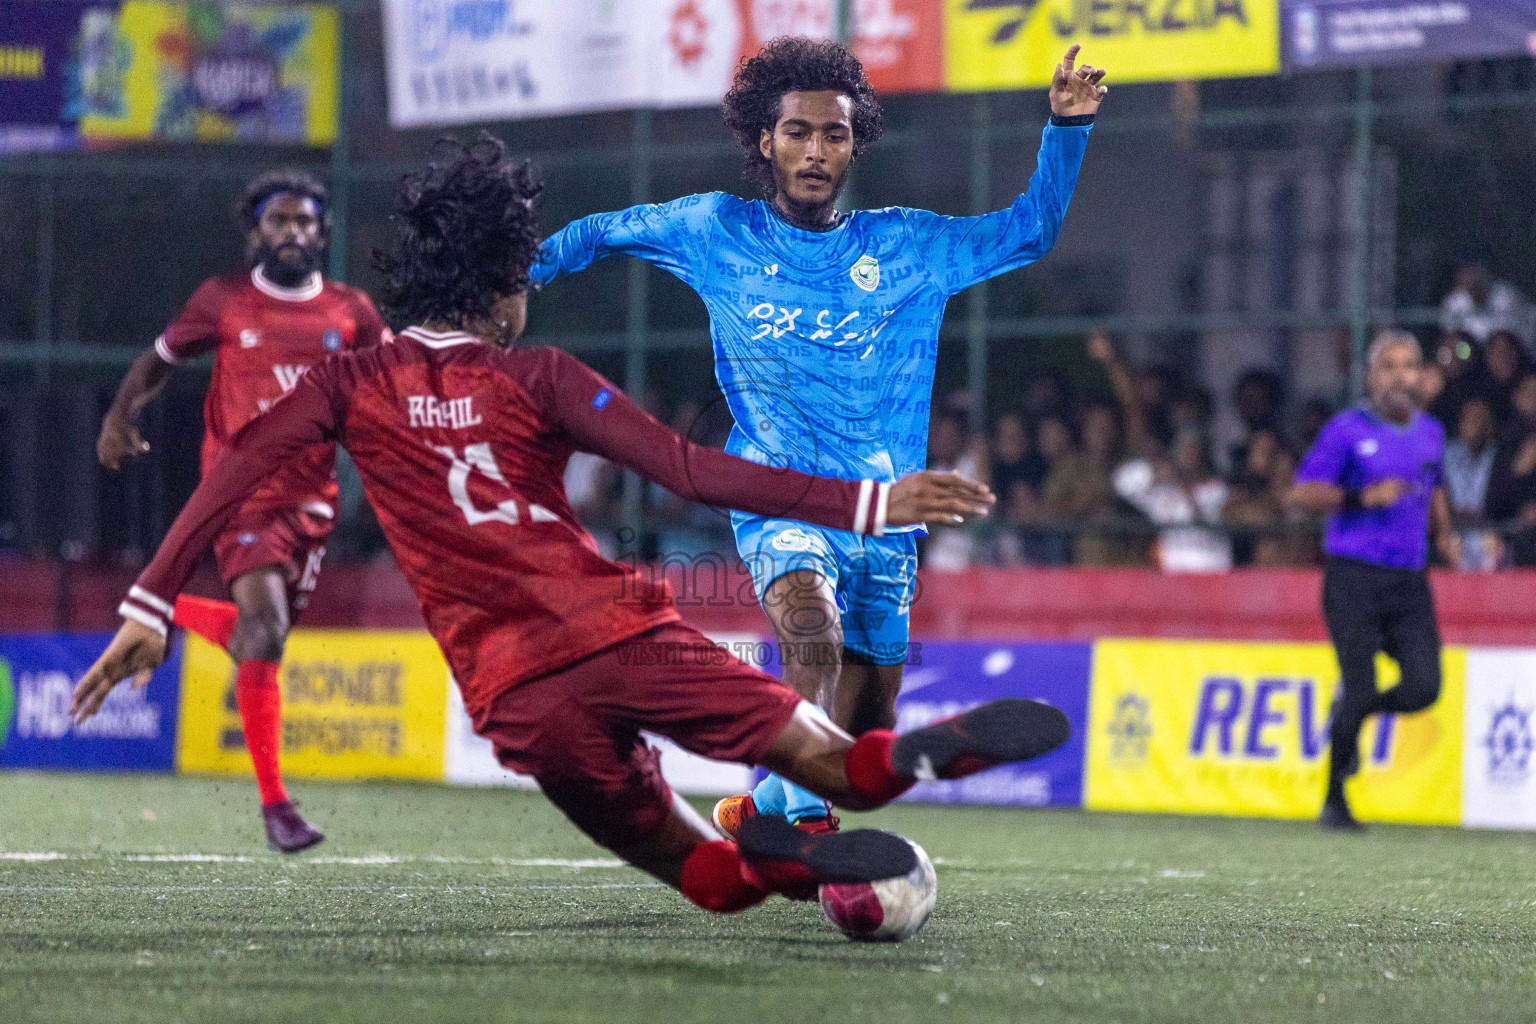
[(1075, 604)]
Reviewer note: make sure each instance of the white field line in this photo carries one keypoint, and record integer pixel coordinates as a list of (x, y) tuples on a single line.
[(401, 890), (372, 860)]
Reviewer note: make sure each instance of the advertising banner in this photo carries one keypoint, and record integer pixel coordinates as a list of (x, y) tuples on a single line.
[(203, 72), (356, 705), (945, 678), (1242, 729), (1015, 44), (1345, 33), (451, 61), (38, 76), (1499, 771), (134, 731)]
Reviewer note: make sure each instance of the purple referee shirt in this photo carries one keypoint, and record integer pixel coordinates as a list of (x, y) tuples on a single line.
[(1357, 449)]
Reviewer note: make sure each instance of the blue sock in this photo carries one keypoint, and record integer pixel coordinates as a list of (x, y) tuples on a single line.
[(800, 803), (768, 795)]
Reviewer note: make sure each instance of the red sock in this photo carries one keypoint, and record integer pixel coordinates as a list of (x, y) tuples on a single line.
[(868, 763), (259, 701), (214, 621), (712, 879)]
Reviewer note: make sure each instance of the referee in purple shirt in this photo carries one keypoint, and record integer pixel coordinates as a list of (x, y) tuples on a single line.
[(1377, 469)]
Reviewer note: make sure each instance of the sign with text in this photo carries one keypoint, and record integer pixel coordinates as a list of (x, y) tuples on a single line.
[(1345, 33), (135, 730), (1015, 44), (39, 76), (355, 705), (1242, 729), (451, 61), (201, 72)]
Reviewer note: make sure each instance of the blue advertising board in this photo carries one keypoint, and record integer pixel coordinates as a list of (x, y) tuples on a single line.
[(945, 678), (1345, 33), (134, 731)]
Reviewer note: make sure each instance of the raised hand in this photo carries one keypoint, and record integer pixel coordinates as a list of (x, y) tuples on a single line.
[(135, 651), (933, 497), (1076, 90)]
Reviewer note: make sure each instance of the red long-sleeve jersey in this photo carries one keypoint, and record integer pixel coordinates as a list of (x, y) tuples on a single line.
[(264, 338), (462, 448)]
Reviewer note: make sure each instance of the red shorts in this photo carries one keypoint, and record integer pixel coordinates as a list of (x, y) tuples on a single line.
[(577, 730), (288, 539)]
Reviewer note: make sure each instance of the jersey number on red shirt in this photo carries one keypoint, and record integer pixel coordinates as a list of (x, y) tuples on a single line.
[(479, 457)]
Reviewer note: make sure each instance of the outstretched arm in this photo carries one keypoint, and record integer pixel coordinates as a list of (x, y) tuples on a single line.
[(598, 418), (119, 438), (962, 251), (192, 333), (303, 418), (674, 236)]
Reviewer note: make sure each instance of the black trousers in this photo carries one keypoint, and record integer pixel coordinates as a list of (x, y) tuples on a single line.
[(1371, 608)]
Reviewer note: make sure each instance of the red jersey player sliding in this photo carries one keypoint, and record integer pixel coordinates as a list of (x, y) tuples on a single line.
[(563, 656), (266, 327)]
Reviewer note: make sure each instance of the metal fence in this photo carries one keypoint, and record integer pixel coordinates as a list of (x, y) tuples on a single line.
[(1216, 225)]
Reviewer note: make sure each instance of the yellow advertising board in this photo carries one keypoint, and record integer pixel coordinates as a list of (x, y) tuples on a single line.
[(1014, 44), (356, 705), (201, 72), (1242, 729)]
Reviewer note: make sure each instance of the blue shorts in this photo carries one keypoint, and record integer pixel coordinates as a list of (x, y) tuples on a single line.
[(874, 577)]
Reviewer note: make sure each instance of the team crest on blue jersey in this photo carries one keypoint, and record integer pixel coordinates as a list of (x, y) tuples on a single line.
[(793, 539), (331, 340), (866, 273)]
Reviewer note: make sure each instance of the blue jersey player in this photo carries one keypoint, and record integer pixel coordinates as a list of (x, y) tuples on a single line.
[(825, 328)]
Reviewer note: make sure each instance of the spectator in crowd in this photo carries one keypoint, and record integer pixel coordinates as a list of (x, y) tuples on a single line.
[(1256, 509), (1468, 471), (1458, 376), (1313, 415), (1183, 495), (1045, 394), (950, 446), (1018, 472), (1191, 409), (1481, 304), (1258, 398), (1469, 463), (1157, 389), (1129, 393), (1513, 480), (1504, 363), (1079, 492)]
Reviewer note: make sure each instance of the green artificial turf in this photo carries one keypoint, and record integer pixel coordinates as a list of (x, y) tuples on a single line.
[(438, 910)]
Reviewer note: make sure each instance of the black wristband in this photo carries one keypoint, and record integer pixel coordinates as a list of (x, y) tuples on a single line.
[(1352, 500), (1075, 121)]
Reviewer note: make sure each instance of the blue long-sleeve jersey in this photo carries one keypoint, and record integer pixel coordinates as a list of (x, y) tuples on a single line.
[(825, 342)]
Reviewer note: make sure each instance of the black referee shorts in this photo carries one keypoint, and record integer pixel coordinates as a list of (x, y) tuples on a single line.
[(1371, 608)]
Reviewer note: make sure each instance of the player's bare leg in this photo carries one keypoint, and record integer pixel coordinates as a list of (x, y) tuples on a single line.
[(865, 694), (261, 631), (802, 608)]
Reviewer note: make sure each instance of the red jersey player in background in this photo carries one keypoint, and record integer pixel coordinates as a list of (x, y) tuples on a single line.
[(266, 327), (564, 657)]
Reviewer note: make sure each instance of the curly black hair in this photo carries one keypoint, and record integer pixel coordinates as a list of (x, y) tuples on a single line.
[(796, 64), (271, 183), (466, 233)]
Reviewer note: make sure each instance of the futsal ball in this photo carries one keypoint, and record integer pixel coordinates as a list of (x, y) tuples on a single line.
[(886, 911)]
